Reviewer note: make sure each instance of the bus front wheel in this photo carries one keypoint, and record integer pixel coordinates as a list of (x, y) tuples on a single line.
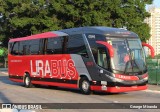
[(84, 86), (27, 81)]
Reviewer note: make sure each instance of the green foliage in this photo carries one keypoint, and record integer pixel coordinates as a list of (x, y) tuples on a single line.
[(3, 52), (26, 17)]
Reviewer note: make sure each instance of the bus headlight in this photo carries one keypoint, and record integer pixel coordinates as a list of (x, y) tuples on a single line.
[(146, 78)]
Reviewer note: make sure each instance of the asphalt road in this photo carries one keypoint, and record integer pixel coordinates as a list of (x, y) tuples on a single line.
[(12, 92)]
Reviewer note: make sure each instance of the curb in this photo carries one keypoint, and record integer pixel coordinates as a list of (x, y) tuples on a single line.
[(151, 91), (6, 73)]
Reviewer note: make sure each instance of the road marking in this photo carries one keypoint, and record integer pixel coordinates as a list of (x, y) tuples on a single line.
[(15, 110), (115, 101), (152, 91), (6, 73)]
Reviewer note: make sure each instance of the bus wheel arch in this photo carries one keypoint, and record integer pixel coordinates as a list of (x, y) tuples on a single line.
[(27, 80), (84, 85)]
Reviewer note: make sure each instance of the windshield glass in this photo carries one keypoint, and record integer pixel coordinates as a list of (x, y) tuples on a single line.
[(120, 51), (128, 56)]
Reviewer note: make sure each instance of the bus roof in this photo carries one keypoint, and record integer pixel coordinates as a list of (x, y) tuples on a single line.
[(108, 31), (101, 30)]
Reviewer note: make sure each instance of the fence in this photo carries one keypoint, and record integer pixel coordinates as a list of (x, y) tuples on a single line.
[(153, 71)]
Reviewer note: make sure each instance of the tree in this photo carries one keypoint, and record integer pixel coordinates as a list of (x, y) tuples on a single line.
[(25, 17), (112, 13)]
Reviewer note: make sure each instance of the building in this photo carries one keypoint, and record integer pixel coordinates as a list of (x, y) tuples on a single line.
[(154, 23)]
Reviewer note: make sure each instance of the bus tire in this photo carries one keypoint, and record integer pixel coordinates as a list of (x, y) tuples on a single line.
[(84, 86), (27, 81)]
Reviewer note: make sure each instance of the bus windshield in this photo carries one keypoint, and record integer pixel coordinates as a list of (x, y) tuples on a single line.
[(128, 56)]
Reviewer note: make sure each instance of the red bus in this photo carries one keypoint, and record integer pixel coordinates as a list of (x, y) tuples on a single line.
[(87, 58)]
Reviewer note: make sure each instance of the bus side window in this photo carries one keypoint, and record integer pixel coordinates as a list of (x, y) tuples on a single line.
[(64, 40), (34, 46), (14, 50), (21, 44), (26, 47), (54, 46), (10, 47), (102, 56), (76, 45), (100, 52), (41, 46)]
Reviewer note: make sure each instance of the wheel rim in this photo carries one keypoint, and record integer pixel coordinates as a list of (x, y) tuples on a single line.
[(85, 86), (27, 81)]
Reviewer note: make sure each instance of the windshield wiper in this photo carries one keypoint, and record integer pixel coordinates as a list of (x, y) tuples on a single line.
[(126, 67)]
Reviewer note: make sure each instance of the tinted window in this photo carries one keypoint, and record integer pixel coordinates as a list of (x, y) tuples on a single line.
[(76, 45), (34, 46), (15, 48), (10, 47), (27, 47), (54, 46), (21, 50), (24, 47), (100, 52), (41, 46)]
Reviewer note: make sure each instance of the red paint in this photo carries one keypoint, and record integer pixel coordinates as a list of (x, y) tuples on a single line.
[(90, 63), (110, 48), (151, 49), (119, 89), (124, 77), (20, 64), (145, 75), (37, 36), (59, 66)]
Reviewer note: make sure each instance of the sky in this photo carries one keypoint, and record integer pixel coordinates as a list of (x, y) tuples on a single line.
[(156, 3)]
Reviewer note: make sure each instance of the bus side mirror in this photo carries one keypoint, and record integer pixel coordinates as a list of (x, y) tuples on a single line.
[(107, 45), (150, 47)]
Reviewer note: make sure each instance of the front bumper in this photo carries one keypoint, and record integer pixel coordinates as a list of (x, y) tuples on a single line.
[(118, 89)]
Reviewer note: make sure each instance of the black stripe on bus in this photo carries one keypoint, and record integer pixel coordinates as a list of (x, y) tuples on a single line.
[(16, 77), (55, 80), (47, 79)]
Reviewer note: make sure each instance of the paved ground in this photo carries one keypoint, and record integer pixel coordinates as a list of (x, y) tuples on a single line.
[(151, 88), (12, 92)]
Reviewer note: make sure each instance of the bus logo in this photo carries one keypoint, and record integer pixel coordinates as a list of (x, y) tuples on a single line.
[(53, 68)]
